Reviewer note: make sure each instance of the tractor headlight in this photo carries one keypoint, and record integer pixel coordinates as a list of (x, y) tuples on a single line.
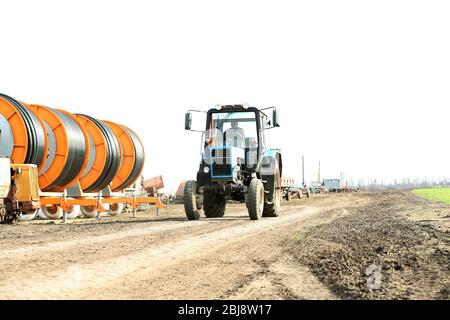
[(206, 169), (237, 168)]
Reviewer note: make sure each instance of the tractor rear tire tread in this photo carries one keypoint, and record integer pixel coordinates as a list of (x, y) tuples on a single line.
[(271, 207), (213, 202)]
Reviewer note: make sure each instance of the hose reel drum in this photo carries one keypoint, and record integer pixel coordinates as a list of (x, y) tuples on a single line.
[(69, 148)]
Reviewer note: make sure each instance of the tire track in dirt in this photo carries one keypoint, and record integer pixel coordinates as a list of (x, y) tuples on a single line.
[(67, 244), (66, 254), (78, 279), (253, 267)]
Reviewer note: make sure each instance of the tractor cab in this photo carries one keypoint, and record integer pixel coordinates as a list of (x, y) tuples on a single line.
[(234, 138), (233, 134)]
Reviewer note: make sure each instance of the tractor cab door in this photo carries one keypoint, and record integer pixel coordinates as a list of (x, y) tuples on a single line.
[(268, 120)]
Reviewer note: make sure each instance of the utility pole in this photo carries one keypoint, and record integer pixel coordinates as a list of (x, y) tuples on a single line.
[(303, 171), (318, 175)]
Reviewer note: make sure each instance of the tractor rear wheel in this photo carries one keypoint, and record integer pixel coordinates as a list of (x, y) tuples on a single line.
[(191, 206), (213, 201), (272, 206), (255, 200)]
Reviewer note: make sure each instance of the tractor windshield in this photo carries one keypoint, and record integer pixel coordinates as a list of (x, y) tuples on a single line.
[(236, 129)]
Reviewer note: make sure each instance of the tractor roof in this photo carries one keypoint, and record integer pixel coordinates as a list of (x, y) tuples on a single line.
[(233, 107)]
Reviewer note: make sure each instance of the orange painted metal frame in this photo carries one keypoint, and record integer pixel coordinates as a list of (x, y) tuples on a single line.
[(98, 202)]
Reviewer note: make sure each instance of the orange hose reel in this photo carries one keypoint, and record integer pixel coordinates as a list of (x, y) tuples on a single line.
[(55, 124), (97, 160), (19, 131), (70, 148), (128, 155)]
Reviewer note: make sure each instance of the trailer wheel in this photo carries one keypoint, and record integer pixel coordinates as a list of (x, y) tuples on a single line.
[(106, 212), (191, 206), (74, 212), (214, 201), (89, 211), (28, 215), (52, 212), (41, 214), (115, 209), (255, 201)]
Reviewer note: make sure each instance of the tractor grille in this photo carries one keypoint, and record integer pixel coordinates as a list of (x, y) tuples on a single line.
[(221, 170), (221, 163)]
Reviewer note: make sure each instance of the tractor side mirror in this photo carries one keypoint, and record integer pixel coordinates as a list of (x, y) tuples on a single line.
[(275, 118), (187, 121)]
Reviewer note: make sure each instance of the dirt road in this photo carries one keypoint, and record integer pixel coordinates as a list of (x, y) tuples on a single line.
[(167, 257)]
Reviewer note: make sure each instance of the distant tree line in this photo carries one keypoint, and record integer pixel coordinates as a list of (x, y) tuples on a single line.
[(404, 183)]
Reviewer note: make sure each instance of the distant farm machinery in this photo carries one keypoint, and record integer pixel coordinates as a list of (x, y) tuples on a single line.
[(291, 191)]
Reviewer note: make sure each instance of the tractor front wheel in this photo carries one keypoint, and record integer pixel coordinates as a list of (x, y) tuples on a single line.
[(255, 199), (191, 206)]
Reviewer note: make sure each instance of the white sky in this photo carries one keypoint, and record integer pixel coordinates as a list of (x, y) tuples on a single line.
[(362, 86)]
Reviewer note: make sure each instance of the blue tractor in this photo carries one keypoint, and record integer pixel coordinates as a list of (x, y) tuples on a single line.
[(236, 163)]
